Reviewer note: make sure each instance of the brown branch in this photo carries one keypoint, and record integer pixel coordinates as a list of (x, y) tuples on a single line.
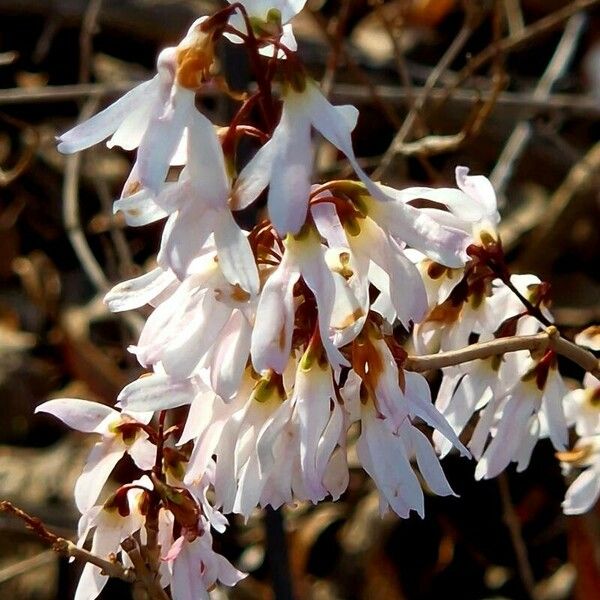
[(511, 519), (67, 547), (518, 139), (472, 19), (514, 42), (540, 341), (150, 580)]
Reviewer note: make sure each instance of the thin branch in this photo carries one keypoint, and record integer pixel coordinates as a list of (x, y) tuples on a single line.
[(556, 68), (514, 42), (514, 527), (86, 36), (26, 566), (549, 339), (67, 547), (573, 104), (150, 580), (451, 53)]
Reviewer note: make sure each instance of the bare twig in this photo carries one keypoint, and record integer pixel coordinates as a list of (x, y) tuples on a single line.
[(576, 181), (66, 547), (338, 25), (514, 42), (518, 139), (27, 565), (470, 23), (523, 102), (353, 66), (150, 580), (514, 527), (86, 36), (549, 339)]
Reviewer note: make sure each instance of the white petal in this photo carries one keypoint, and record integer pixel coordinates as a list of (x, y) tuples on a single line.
[(255, 176), (289, 187), (429, 465), (235, 255), (81, 415), (105, 123), (139, 209), (98, 467), (480, 190), (206, 165), (274, 323), (156, 391), (134, 293), (582, 493)]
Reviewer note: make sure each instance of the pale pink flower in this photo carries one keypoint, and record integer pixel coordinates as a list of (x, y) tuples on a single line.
[(119, 436), (110, 529), (582, 407), (195, 567), (583, 493)]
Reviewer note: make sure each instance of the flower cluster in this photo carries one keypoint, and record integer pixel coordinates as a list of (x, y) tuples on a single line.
[(283, 339)]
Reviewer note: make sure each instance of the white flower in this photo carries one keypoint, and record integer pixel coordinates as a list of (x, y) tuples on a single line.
[(582, 407), (195, 567), (284, 163), (110, 527), (120, 435), (583, 493)]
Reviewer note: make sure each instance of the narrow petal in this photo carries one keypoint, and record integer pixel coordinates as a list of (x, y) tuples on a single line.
[(156, 391), (98, 467), (134, 293), (235, 255), (81, 415), (582, 493), (105, 123)]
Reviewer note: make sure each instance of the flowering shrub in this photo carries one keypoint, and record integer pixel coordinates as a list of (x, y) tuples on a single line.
[(284, 338)]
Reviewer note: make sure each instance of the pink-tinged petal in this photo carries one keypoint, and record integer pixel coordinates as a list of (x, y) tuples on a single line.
[(162, 138), (317, 276), (131, 131), (82, 415), (407, 290), (512, 426), (271, 341), (429, 464), (231, 355), (183, 237), (313, 392), (98, 467), (419, 397), (481, 191), (383, 456), (206, 165), (91, 583), (184, 350), (267, 437), (255, 176), (289, 186), (552, 409), (335, 123), (143, 453), (156, 391), (328, 224), (186, 581), (175, 549), (530, 438), (200, 414), (458, 202), (582, 493), (227, 574), (235, 255), (134, 293), (416, 228), (105, 123), (139, 209)]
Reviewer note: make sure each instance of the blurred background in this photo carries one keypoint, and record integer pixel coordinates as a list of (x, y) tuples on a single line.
[(509, 88)]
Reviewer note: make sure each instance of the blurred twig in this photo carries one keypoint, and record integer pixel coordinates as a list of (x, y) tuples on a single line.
[(556, 68), (86, 36), (472, 19), (514, 527)]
